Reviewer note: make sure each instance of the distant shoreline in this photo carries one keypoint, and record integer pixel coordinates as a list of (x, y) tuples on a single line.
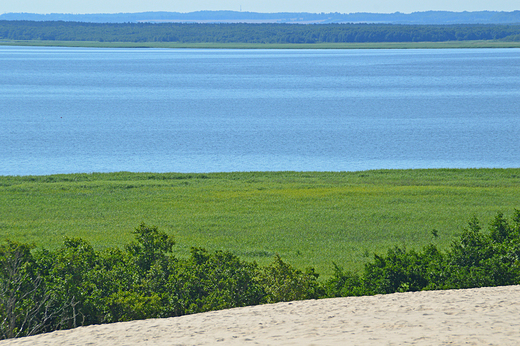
[(367, 45)]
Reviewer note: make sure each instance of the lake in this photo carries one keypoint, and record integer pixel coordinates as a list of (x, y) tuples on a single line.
[(66, 110)]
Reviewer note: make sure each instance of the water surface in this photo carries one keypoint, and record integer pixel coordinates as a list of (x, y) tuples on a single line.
[(65, 110)]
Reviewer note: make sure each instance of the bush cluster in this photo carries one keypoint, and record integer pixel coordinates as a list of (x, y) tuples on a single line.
[(75, 285), (475, 259)]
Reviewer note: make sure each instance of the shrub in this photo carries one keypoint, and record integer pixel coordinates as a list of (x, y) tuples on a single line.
[(283, 283), (214, 281), (344, 284)]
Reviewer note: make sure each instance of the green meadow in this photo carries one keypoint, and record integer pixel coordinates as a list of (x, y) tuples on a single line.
[(368, 45), (308, 218)]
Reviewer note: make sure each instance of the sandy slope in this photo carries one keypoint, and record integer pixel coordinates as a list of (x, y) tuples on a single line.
[(483, 316)]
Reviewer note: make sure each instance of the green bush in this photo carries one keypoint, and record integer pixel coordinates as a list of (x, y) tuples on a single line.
[(284, 283), (475, 259), (208, 281), (22, 296), (344, 284)]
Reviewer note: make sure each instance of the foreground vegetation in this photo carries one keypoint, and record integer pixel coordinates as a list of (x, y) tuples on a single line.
[(76, 285), (308, 218)]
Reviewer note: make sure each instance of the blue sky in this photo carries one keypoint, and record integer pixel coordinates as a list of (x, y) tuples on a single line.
[(342, 6)]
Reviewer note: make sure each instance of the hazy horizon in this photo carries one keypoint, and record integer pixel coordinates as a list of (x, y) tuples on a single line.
[(268, 6)]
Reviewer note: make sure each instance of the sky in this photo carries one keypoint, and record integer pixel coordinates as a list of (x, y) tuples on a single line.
[(313, 6)]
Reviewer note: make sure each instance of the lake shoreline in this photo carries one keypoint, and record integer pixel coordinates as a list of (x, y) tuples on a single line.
[(210, 45)]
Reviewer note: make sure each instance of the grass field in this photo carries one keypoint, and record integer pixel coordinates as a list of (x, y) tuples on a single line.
[(377, 45), (309, 218)]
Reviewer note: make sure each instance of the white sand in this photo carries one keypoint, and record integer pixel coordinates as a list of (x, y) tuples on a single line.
[(483, 316)]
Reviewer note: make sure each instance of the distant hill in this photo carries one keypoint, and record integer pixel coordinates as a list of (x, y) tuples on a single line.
[(428, 17)]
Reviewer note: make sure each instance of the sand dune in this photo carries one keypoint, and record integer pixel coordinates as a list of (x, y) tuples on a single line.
[(483, 316)]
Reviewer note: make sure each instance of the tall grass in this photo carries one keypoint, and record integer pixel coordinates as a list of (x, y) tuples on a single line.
[(308, 218)]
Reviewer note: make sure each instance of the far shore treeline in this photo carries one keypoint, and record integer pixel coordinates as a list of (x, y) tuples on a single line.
[(266, 33), (75, 285)]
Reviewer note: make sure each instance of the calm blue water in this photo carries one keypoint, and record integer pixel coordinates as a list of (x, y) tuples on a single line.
[(66, 110)]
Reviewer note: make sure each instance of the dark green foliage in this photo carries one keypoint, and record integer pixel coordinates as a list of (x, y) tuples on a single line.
[(284, 283), (398, 271), (475, 259), (20, 291), (150, 247), (213, 281), (344, 284), (77, 286), (486, 259), (68, 278)]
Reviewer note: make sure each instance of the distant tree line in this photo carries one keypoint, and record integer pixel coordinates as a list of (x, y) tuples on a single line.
[(251, 33), (426, 17), (75, 285)]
